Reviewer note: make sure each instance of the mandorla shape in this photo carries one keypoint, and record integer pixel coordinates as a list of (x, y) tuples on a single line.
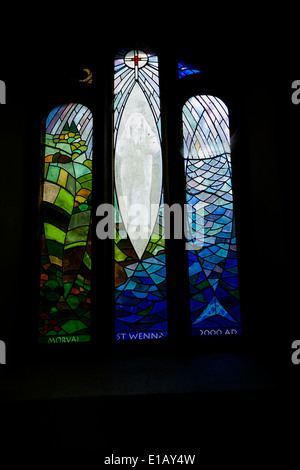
[(138, 170)]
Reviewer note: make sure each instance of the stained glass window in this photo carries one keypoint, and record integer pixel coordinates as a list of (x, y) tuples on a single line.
[(65, 281), (139, 251), (141, 215), (185, 69), (212, 255)]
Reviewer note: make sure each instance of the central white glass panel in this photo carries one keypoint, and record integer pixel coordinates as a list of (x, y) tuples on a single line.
[(138, 170)]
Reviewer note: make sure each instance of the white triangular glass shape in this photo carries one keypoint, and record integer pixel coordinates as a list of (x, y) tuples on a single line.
[(138, 170)]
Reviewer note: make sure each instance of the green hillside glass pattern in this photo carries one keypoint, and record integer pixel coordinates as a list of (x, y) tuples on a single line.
[(65, 280)]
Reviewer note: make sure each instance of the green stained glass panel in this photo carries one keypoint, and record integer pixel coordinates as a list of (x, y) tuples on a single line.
[(65, 200), (65, 279)]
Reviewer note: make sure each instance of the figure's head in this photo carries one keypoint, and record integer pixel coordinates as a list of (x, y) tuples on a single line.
[(137, 121), (137, 127)]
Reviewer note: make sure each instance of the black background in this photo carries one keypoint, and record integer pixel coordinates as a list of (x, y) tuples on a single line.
[(254, 60)]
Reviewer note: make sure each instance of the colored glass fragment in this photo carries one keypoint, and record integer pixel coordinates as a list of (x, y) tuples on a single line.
[(185, 69)]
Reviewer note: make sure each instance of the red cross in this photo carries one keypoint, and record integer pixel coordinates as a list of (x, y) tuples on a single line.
[(136, 60)]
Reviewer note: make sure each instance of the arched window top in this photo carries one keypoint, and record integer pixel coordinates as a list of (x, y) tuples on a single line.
[(76, 119), (206, 127), (144, 63)]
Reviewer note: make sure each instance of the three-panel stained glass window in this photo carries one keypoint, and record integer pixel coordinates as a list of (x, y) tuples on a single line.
[(140, 263)]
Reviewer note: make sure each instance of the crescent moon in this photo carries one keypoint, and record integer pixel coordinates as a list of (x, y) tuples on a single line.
[(88, 78)]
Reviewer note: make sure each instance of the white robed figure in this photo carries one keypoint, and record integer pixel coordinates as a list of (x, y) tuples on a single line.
[(138, 171)]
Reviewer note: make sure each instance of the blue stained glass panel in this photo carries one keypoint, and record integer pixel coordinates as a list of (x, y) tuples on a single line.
[(212, 253)]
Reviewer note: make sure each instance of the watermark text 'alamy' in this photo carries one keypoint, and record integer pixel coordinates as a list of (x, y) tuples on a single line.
[(138, 223)]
